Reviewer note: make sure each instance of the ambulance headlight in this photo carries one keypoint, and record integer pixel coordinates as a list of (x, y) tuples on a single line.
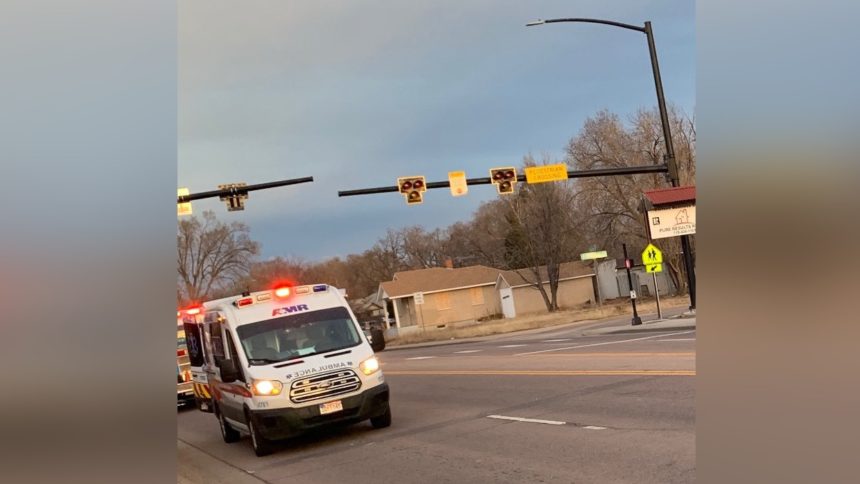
[(369, 366), (267, 388)]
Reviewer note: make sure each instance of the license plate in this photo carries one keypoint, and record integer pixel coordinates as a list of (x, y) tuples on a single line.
[(331, 407)]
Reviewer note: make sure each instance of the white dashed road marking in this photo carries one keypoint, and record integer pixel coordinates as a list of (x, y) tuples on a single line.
[(529, 420), (466, 351), (511, 346), (594, 427), (420, 357), (605, 343)]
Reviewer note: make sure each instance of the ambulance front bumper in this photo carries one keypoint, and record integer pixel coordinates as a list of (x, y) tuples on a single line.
[(288, 422)]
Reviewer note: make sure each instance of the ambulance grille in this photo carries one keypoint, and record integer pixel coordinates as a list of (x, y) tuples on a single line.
[(324, 386)]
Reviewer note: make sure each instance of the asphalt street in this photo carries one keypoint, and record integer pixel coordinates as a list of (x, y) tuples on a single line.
[(548, 406)]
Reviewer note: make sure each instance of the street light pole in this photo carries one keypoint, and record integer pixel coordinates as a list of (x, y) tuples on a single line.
[(669, 157)]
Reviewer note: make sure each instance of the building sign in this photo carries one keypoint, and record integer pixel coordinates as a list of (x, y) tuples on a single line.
[(672, 222), (592, 255), (419, 298)]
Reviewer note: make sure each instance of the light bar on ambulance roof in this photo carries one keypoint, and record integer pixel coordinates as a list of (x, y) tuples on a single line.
[(283, 291), (320, 288), (245, 301), (194, 311)]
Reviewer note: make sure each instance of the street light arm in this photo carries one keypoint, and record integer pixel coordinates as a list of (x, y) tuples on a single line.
[(588, 21)]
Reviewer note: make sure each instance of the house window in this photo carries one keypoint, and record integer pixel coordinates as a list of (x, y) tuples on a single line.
[(443, 301), (477, 294)]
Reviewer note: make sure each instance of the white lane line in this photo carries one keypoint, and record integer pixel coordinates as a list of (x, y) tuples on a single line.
[(605, 343), (510, 346), (529, 420), (678, 339), (594, 427), (556, 340), (466, 351), (421, 358)]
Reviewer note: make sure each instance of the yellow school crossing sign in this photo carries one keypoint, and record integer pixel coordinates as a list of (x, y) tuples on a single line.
[(652, 258)]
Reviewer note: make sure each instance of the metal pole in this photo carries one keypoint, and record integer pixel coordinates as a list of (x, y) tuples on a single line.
[(671, 163), (670, 159), (240, 190), (636, 319), (657, 294)]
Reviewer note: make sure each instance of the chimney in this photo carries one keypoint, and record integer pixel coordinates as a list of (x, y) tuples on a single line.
[(449, 264)]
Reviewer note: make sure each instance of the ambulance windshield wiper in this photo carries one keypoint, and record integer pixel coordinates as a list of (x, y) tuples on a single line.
[(262, 361)]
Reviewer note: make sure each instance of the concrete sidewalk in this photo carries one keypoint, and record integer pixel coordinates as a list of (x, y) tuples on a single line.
[(195, 466), (686, 321)]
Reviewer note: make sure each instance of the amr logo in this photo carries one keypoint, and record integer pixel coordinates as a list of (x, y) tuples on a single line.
[(290, 309)]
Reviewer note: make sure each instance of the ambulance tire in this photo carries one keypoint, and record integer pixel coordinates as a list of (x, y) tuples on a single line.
[(260, 444), (383, 420), (228, 433)]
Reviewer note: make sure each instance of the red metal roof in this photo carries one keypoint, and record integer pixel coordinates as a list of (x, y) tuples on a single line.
[(665, 196)]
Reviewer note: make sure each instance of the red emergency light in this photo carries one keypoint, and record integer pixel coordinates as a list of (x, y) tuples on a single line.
[(194, 311), (283, 291)]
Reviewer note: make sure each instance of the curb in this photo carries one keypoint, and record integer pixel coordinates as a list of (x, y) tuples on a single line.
[(490, 337), (631, 330)]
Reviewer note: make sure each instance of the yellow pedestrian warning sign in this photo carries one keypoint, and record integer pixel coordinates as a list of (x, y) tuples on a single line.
[(652, 258), (652, 255)]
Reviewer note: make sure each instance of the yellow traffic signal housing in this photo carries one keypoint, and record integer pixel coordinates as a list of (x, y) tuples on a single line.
[(412, 188), (504, 178)]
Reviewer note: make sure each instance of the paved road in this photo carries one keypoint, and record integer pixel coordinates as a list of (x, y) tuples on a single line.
[(553, 406)]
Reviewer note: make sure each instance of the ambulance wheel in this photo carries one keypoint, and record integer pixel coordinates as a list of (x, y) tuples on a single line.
[(228, 433), (261, 445), (383, 420)]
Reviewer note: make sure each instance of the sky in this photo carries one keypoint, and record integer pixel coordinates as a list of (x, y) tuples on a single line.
[(358, 93)]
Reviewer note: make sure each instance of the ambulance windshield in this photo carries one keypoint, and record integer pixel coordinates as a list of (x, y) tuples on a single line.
[(298, 335)]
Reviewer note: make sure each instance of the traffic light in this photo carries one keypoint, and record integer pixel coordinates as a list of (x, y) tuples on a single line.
[(504, 178), (413, 188), (236, 199)]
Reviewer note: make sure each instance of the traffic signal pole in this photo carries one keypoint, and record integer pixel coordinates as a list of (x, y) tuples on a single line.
[(243, 190), (632, 170)]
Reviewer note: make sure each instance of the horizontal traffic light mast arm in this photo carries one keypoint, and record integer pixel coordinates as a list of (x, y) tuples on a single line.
[(241, 190), (627, 170)]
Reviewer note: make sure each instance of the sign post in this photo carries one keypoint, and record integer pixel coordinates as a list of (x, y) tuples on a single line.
[(627, 264), (652, 257)]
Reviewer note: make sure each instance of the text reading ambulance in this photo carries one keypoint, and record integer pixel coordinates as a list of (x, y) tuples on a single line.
[(287, 361)]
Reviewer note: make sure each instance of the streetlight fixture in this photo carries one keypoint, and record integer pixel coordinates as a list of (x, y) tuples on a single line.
[(669, 157)]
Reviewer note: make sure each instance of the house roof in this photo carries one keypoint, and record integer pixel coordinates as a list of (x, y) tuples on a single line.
[(666, 196), (567, 270), (437, 279)]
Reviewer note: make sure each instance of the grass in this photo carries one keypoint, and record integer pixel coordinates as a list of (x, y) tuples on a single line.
[(540, 320)]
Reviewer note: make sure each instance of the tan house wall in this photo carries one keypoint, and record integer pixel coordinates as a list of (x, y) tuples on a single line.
[(527, 299), (448, 307)]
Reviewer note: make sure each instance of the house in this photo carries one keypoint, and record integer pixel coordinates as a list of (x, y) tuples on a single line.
[(448, 297), (519, 294), (441, 296)]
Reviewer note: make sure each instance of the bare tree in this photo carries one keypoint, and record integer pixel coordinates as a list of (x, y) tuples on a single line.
[(542, 233), (609, 208), (211, 255)]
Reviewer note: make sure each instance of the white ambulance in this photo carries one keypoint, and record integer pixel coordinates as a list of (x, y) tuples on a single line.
[(289, 360)]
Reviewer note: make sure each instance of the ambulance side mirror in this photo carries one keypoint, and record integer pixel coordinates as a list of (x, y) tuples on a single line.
[(229, 370)]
